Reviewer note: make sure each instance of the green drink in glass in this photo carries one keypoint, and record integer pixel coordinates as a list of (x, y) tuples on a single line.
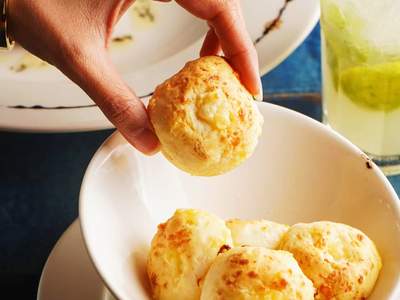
[(361, 75)]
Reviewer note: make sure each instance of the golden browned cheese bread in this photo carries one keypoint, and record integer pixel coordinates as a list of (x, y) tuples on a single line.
[(251, 273), (206, 120), (182, 252), (260, 233), (342, 262)]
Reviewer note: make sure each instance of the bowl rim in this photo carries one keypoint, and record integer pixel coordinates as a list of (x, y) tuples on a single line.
[(116, 139)]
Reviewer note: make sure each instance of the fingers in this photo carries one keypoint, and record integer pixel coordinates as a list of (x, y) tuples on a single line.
[(125, 5), (230, 28), (226, 18), (97, 76), (74, 42), (211, 45), (117, 10)]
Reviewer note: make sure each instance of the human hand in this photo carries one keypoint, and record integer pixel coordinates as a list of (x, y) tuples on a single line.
[(228, 33), (73, 35)]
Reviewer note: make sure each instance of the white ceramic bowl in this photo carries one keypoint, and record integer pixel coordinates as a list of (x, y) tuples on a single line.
[(301, 172)]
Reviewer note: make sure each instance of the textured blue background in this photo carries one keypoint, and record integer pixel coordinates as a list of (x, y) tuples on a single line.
[(40, 175), (300, 72)]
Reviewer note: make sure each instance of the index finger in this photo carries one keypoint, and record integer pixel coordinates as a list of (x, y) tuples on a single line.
[(225, 17)]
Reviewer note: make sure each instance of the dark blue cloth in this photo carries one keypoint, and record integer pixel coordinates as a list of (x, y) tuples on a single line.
[(40, 175), (300, 72)]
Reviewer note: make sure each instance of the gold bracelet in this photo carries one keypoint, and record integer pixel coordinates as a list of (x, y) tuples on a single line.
[(5, 42)]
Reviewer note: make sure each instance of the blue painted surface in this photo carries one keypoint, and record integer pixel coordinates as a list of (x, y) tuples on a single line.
[(40, 176)]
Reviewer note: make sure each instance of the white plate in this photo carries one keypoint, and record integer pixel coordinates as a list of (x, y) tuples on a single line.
[(39, 98), (69, 273), (301, 171)]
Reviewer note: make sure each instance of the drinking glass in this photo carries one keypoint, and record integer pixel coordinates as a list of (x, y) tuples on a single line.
[(361, 75)]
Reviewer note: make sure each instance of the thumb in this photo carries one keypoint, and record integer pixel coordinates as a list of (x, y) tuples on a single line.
[(98, 77)]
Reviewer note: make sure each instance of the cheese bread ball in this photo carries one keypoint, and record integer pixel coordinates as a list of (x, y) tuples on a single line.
[(206, 120), (251, 273), (261, 233), (342, 262), (182, 251)]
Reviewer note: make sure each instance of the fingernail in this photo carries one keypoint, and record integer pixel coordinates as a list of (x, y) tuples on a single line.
[(260, 95), (146, 141)]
